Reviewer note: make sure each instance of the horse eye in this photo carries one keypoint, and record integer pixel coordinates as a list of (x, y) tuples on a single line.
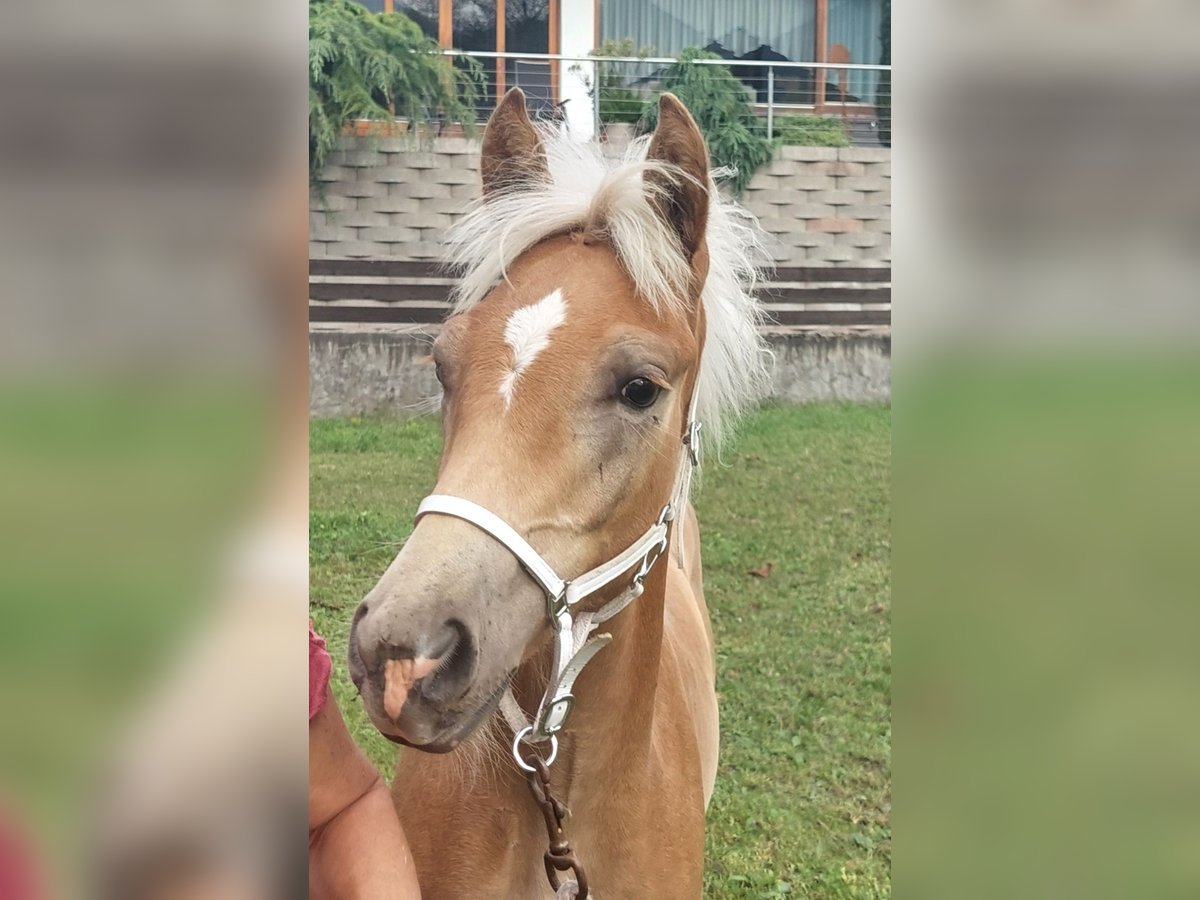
[(640, 392)]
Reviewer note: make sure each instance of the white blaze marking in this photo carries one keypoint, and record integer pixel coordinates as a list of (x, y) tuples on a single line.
[(528, 333)]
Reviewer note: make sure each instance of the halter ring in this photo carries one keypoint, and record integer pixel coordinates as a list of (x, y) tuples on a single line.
[(526, 767)]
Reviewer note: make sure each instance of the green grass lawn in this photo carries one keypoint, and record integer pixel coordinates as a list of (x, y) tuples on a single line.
[(803, 799)]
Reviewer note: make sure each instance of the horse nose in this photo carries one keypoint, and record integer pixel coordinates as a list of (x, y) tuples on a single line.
[(440, 663)]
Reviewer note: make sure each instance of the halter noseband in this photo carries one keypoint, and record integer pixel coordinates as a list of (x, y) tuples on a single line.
[(574, 643)]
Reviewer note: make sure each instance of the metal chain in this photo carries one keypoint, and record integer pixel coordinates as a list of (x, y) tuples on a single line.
[(559, 855)]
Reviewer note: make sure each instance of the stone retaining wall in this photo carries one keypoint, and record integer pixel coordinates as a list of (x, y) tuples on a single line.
[(389, 198), (364, 371)]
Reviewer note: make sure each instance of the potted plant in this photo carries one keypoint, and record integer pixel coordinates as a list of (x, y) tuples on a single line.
[(620, 111), (376, 127)]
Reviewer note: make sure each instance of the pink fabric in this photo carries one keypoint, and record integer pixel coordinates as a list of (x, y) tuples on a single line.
[(319, 667), (18, 872)]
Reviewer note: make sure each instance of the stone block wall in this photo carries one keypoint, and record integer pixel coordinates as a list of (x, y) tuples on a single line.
[(391, 198), (825, 206)]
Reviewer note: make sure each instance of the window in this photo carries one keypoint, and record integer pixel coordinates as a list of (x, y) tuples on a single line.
[(767, 30), (854, 29), (472, 25), (423, 12), (475, 29), (527, 26), (737, 26)]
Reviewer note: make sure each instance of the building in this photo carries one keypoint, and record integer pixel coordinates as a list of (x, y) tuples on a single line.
[(810, 31)]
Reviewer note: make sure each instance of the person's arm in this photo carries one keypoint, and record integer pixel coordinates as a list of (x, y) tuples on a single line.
[(356, 848)]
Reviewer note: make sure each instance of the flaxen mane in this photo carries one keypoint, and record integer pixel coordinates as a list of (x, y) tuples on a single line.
[(610, 198)]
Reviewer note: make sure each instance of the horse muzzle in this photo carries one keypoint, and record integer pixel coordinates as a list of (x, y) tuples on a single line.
[(413, 685)]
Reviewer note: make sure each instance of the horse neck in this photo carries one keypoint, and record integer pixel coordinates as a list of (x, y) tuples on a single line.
[(616, 703)]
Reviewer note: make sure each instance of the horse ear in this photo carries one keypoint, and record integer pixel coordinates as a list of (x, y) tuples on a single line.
[(512, 154), (682, 200)]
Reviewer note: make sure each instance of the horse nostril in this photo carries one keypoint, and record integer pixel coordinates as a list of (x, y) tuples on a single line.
[(456, 665), (441, 668)]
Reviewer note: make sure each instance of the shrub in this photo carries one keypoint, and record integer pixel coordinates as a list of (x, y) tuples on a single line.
[(720, 104), (812, 131), (365, 65)]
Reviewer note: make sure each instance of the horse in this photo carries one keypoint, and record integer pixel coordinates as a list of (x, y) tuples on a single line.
[(605, 310)]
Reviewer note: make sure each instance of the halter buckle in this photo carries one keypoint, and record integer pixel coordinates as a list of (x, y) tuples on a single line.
[(557, 608), (554, 719), (652, 556)]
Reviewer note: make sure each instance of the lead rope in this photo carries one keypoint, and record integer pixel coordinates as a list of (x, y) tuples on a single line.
[(559, 856)]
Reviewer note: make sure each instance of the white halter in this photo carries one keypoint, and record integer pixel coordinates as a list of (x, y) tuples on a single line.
[(574, 643)]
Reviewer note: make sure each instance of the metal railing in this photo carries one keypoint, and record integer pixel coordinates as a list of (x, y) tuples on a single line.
[(850, 91)]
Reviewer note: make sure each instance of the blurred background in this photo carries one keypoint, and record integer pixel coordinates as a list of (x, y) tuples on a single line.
[(1045, 443), (152, 449)]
